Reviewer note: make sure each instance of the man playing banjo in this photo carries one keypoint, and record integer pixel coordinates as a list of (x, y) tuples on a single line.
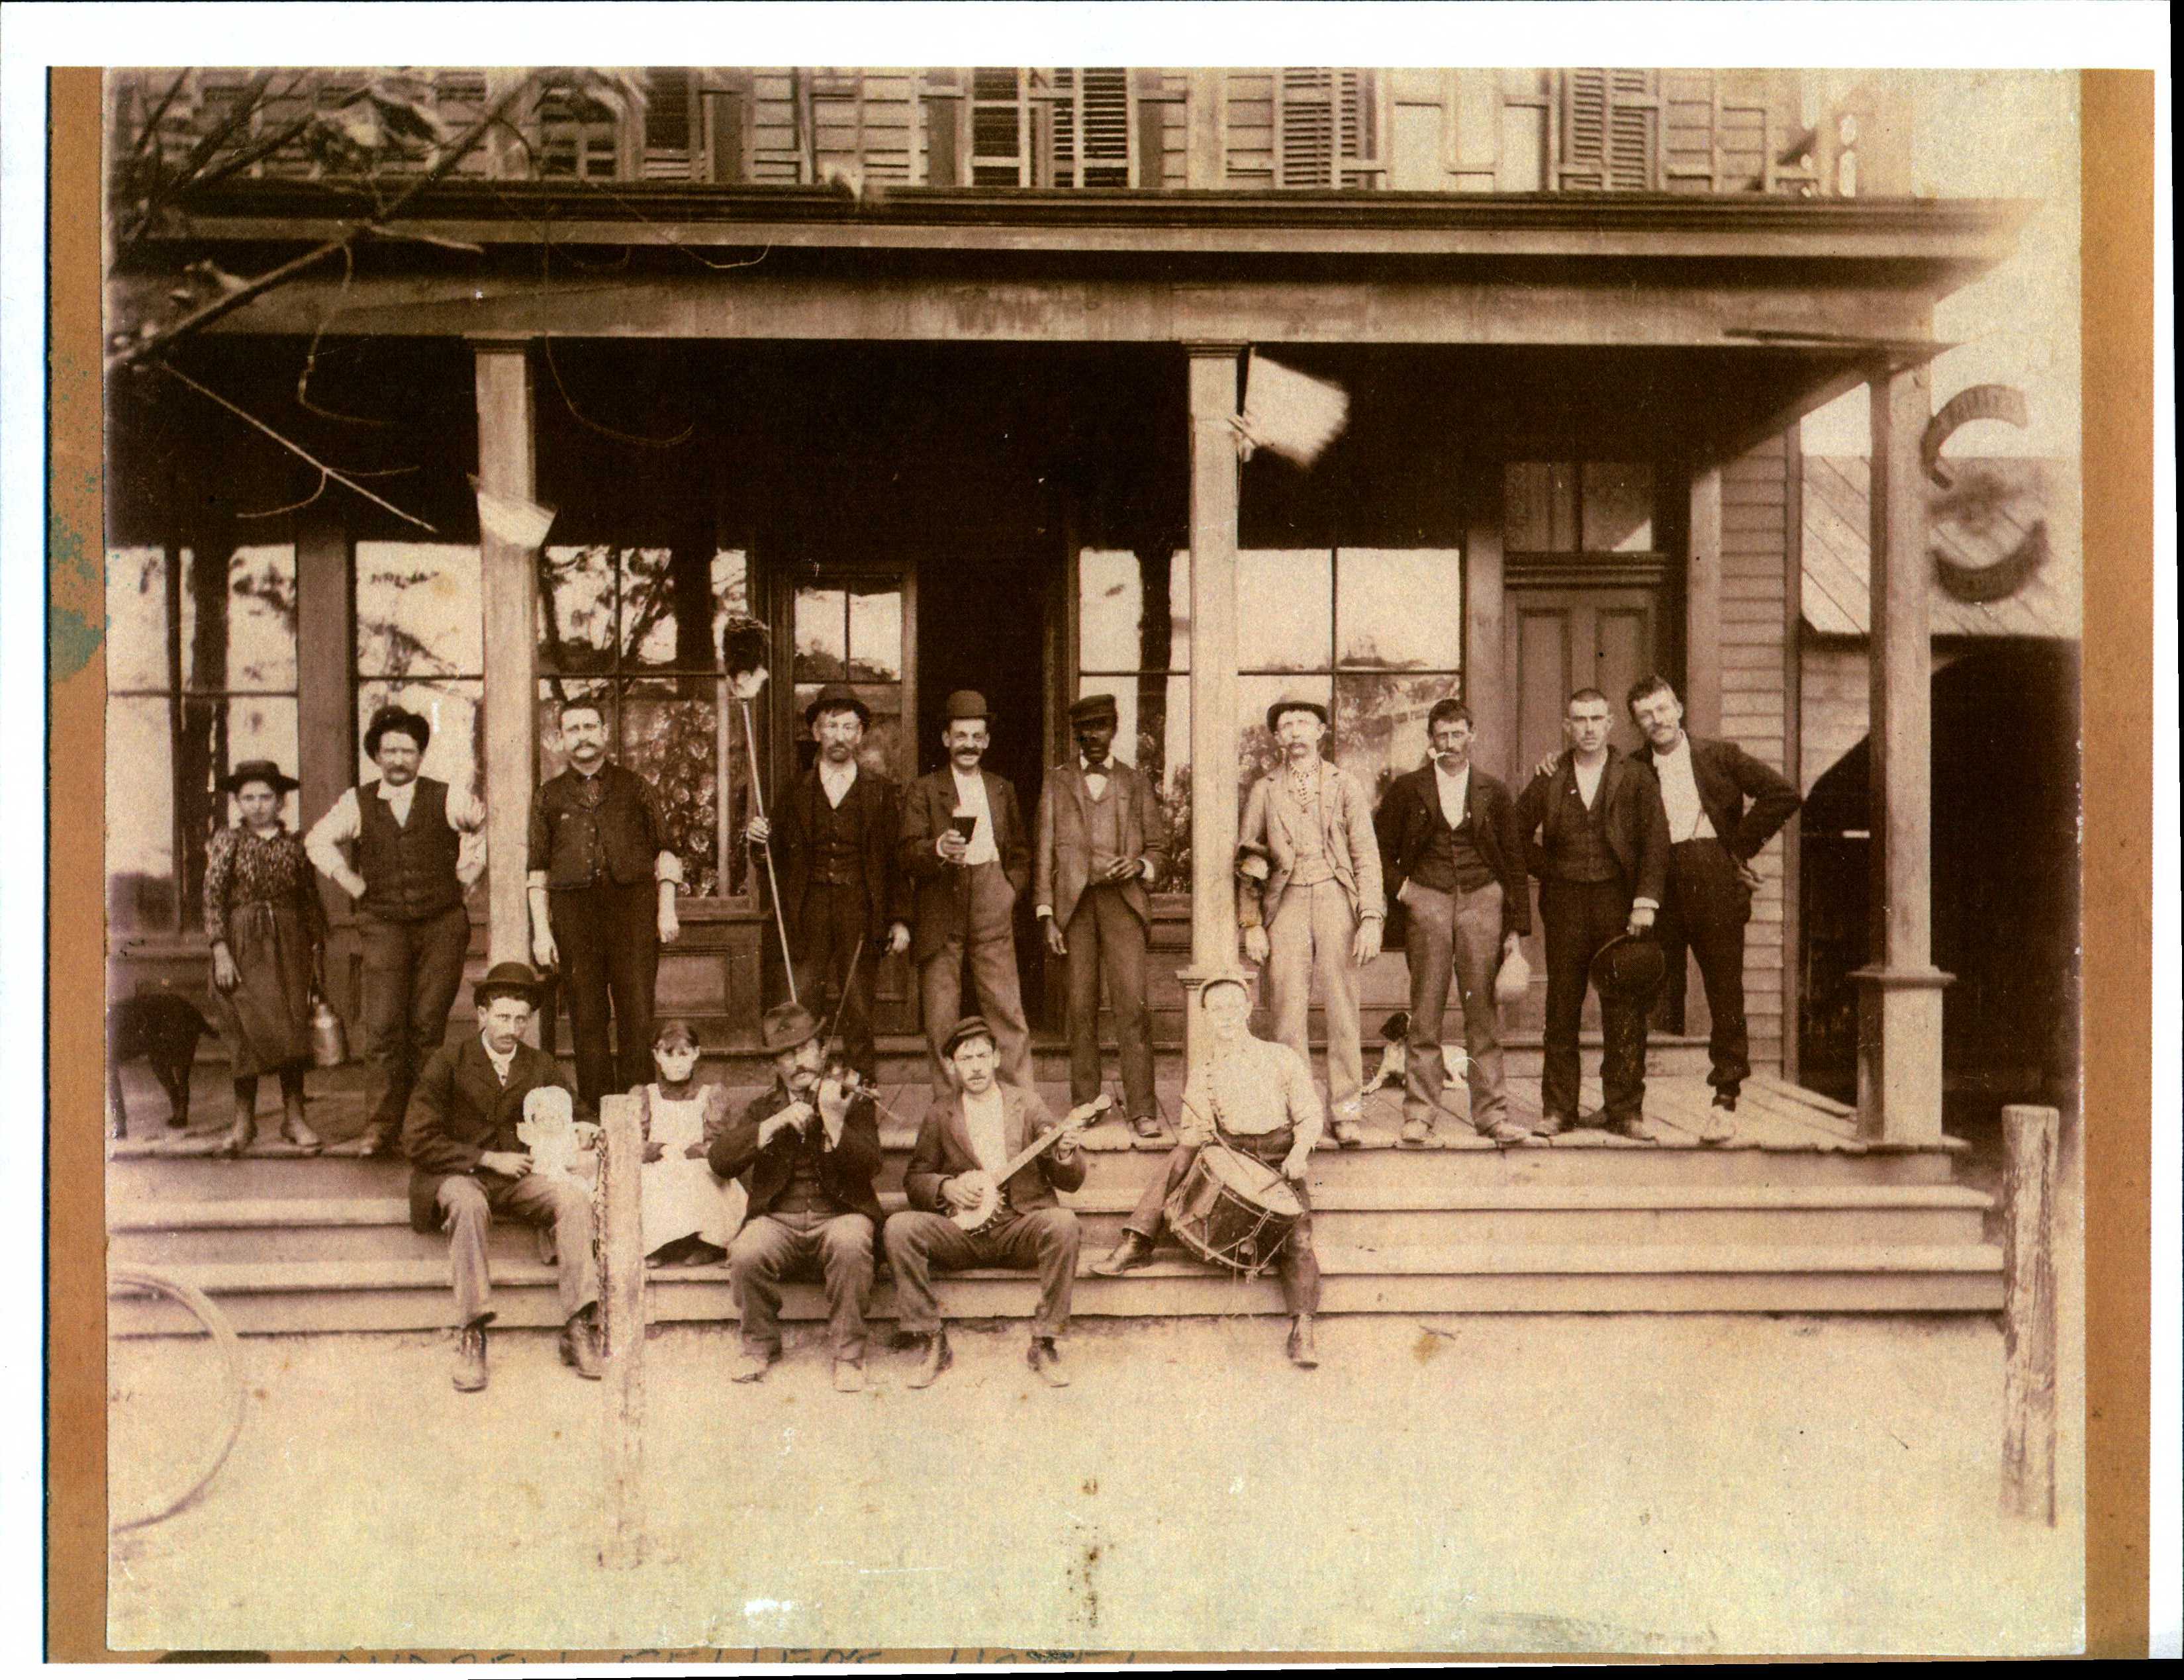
[(1258, 1098)]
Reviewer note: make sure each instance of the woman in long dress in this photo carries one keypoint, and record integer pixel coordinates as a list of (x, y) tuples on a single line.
[(268, 931), (689, 1215)]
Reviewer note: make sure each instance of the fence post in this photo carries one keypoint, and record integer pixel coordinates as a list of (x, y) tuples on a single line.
[(2028, 1312), (619, 1207)]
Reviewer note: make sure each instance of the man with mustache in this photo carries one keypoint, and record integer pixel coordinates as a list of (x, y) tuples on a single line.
[(1451, 851), (1101, 840), (602, 892), (964, 850)]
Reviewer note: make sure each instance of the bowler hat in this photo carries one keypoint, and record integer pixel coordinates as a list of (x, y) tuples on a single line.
[(395, 720), (966, 703), (1253, 860), (259, 770), (1294, 702), (838, 696), (1630, 968), (971, 1027), (1092, 707), (507, 980), (787, 1026)]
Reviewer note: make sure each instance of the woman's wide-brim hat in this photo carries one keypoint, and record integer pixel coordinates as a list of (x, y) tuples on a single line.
[(1630, 967), (259, 770), (787, 1026), (509, 979), (395, 720), (836, 696), (1293, 703)]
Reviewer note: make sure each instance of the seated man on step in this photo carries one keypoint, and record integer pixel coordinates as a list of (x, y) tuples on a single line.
[(963, 1144), (1257, 1098)]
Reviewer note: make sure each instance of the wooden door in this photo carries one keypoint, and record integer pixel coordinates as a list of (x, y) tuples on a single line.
[(1557, 640)]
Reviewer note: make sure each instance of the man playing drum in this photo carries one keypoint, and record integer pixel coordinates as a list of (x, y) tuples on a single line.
[(1257, 1098)]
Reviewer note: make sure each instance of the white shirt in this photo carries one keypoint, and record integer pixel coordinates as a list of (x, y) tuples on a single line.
[(984, 1119), (1454, 791), (1680, 792), (500, 1063), (1588, 780), (837, 783), (1095, 780), (970, 796), (344, 821)]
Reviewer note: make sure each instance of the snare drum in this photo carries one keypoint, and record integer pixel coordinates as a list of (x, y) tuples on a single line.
[(1233, 1210)]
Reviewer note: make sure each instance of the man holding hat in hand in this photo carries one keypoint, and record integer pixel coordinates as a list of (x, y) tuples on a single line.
[(1102, 838), (468, 1163), (1320, 909), (419, 847), (805, 1151), (964, 850), (833, 844)]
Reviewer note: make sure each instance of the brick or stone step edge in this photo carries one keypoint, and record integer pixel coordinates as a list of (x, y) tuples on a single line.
[(300, 1213)]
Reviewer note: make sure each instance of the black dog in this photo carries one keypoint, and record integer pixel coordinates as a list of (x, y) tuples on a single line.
[(163, 1029)]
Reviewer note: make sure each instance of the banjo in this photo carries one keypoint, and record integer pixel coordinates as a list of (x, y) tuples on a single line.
[(992, 1197)]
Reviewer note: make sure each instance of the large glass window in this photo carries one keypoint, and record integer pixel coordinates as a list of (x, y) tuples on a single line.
[(851, 630), (1563, 507), (421, 645), (638, 631), (1134, 642), (201, 676)]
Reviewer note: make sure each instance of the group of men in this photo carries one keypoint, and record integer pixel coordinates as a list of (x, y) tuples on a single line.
[(1662, 842)]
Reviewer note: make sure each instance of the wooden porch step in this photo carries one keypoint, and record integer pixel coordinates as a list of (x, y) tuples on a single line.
[(333, 1295)]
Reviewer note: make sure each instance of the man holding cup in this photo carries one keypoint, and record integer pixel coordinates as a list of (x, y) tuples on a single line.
[(965, 851)]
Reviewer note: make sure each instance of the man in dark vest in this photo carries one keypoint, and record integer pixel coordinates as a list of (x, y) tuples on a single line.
[(1102, 839), (1595, 835), (419, 847), (833, 841), (601, 890)]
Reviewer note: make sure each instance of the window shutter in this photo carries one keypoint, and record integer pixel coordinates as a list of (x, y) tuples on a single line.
[(1609, 123), (1305, 120), (999, 130), (1104, 101), (1584, 128), (1356, 128)]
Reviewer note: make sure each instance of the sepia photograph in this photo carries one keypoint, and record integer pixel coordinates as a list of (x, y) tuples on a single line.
[(1089, 861)]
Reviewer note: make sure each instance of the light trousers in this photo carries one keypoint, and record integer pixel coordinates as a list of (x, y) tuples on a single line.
[(1311, 932)]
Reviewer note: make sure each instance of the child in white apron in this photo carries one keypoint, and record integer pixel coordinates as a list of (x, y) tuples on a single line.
[(690, 1216)]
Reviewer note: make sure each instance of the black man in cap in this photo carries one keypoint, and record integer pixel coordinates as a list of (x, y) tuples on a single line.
[(965, 852), (1102, 840), (469, 1164), (833, 841), (805, 1153), (419, 847)]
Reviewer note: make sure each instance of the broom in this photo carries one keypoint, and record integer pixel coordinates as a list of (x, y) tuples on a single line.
[(743, 662)]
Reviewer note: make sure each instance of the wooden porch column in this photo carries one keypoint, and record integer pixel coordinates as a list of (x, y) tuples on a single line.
[(1703, 606), (507, 465), (1213, 815), (325, 709), (1899, 1026), (1485, 683)]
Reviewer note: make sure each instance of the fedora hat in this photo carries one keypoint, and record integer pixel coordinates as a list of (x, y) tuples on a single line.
[(1630, 967), (787, 1026), (1093, 707), (391, 720), (507, 980), (966, 703), (259, 770), (971, 1027), (1294, 702), (838, 696)]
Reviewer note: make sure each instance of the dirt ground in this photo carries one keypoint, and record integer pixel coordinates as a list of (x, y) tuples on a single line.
[(1638, 1483)]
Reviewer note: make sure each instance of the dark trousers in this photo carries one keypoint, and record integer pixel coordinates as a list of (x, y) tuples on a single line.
[(829, 923), (1299, 1264), (1105, 937), (1580, 916), (412, 970), (1704, 910), (609, 939), (1044, 1240), (773, 1245)]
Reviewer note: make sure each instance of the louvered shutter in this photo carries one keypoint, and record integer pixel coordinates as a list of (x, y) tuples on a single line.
[(1357, 129), (1305, 120), (1609, 128), (1000, 140)]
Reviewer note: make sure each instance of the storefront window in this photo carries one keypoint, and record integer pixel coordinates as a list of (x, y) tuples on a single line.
[(853, 633), (201, 676), (421, 645), (1563, 507), (638, 631), (1134, 642)]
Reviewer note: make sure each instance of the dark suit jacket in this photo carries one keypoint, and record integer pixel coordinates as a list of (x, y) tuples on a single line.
[(1405, 825), (943, 1150), (1637, 821), (1063, 864), (1725, 773), (845, 1172), (936, 887), (458, 1110), (797, 816)]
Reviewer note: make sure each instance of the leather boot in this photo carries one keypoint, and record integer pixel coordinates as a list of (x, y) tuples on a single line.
[(938, 1358), (244, 1133), (1133, 1251), (580, 1346), (1303, 1350), (469, 1374), (293, 1128), (1045, 1360)]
